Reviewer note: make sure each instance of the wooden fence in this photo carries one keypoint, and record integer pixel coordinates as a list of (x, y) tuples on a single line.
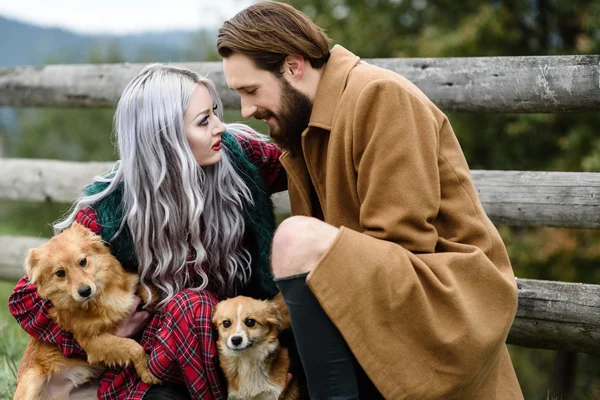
[(552, 315)]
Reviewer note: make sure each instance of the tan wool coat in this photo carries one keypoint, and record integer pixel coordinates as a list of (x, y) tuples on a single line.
[(418, 280)]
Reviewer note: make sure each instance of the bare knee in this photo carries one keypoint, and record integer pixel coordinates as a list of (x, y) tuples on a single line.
[(298, 243), (290, 231)]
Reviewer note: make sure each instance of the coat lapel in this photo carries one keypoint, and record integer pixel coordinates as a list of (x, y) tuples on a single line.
[(298, 183), (312, 167)]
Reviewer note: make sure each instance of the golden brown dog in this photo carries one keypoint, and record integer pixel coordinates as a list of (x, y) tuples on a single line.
[(254, 363), (91, 293)]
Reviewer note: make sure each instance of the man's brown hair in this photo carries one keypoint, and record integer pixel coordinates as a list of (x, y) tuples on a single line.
[(268, 32)]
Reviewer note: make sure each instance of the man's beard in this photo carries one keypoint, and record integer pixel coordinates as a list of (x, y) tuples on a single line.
[(292, 120)]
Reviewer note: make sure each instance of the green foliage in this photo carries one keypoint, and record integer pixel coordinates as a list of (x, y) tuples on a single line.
[(65, 134), (12, 345)]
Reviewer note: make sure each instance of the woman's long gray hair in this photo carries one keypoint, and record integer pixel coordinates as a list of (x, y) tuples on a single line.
[(170, 203)]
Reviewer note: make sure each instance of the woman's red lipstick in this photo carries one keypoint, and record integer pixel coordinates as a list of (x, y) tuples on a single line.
[(217, 146)]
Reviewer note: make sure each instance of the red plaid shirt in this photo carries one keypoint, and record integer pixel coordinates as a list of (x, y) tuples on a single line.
[(179, 339)]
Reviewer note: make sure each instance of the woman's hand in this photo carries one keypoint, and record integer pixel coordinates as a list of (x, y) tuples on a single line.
[(134, 322), (287, 386)]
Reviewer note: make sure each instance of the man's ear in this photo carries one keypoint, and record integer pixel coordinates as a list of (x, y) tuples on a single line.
[(293, 66), (30, 264)]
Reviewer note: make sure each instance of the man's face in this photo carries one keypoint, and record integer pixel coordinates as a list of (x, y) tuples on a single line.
[(273, 99)]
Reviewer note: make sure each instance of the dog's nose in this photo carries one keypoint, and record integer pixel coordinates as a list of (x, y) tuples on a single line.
[(236, 340), (84, 291)]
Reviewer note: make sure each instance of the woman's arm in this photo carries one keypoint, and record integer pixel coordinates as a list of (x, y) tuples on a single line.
[(33, 313), (265, 156)]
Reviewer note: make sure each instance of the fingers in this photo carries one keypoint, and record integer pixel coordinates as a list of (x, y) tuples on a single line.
[(136, 304), (133, 324)]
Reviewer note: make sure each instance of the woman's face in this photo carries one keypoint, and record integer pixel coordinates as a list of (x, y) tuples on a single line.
[(202, 128)]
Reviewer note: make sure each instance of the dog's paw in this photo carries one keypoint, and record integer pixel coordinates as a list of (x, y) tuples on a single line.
[(142, 369), (148, 378)]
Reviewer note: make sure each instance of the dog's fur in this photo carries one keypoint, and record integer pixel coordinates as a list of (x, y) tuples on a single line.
[(254, 363), (91, 293)]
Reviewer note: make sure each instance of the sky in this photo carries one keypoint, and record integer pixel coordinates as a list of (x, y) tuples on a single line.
[(123, 16)]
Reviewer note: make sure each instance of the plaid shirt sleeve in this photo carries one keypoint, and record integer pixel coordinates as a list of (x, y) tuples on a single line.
[(33, 312), (182, 347), (265, 156)]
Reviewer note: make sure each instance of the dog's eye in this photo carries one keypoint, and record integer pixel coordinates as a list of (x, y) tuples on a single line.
[(250, 322), (61, 273), (226, 323), (83, 262)]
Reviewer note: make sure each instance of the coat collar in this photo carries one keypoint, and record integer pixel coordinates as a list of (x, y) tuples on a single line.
[(331, 85), (329, 92)]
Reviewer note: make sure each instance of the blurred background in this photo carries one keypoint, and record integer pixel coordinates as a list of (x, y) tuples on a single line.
[(40, 32)]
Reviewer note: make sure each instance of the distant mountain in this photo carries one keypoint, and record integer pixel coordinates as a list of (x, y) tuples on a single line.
[(26, 44)]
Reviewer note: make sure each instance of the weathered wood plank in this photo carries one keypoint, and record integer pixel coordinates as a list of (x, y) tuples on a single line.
[(46, 180), (558, 316), (526, 198), (474, 84), (558, 199), (13, 250)]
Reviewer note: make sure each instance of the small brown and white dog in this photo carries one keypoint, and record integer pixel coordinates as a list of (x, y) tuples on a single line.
[(250, 355), (91, 293)]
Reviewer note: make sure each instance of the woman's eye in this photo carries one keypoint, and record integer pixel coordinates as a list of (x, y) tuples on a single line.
[(61, 273), (253, 91), (203, 122), (250, 322), (226, 323)]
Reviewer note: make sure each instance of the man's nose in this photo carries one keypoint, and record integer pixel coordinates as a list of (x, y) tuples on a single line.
[(248, 109)]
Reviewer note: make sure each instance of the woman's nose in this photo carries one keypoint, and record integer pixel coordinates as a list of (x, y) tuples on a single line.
[(219, 129)]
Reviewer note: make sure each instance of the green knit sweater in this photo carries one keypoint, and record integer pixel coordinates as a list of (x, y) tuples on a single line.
[(259, 222)]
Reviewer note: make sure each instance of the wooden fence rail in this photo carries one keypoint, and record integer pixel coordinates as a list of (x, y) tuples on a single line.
[(557, 316), (473, 84), (524, 198)]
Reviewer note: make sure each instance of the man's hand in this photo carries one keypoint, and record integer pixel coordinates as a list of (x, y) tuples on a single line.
[(134, 322)]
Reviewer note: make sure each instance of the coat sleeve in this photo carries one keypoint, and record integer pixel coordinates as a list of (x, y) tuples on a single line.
[(33, 312), (435, 309)]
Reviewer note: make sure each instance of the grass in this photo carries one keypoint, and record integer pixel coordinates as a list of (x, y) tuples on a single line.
[(13, 340)]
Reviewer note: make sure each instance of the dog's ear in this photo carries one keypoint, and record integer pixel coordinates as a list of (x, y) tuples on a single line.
[(214, 315), (282, 310), (33, 257), (81, 230), (274, 317)]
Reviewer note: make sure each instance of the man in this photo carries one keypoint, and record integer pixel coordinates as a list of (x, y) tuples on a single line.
[(388, 231)]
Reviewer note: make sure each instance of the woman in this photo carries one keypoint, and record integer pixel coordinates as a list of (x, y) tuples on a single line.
[(188, 207)]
